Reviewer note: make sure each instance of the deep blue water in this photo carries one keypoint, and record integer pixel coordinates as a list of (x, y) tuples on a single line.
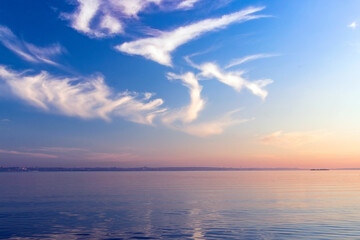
[(180, 205)]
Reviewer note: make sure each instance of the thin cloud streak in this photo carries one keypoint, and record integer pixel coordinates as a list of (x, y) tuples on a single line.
[(29, 154), (187, 4), (110, 156), (70, 154), (240, 61), (159, 48), (205, 129), (60, 149), (292, 139), (28, 51), (84, 98)]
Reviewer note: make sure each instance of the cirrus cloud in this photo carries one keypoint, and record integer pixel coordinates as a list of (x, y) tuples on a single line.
[(235, 79), (84, 98), (245, 59), (28, 51), (214, 127), (183, 119), (28, 154), (91, 97), (106, 18), (187, 4), (188, 113), (159, 48), (292, 139)]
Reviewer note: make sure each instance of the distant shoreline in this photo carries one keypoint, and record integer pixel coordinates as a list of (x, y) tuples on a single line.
[(138, 169), (151, 169)]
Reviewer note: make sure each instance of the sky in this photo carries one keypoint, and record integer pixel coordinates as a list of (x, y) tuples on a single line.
[(221, 83)]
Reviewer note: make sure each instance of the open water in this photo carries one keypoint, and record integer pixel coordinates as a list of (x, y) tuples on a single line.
[(180, 205)]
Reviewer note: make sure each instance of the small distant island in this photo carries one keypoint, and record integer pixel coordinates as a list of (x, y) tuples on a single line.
[(319, 169), (142, 169)]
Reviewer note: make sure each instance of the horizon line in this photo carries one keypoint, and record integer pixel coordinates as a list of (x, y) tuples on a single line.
[(89, 169)]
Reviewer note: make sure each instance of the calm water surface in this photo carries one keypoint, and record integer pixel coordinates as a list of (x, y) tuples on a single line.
[(180, 205)]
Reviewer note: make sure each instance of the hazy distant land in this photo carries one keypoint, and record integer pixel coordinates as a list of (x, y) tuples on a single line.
[(142, 169), (151, 169)]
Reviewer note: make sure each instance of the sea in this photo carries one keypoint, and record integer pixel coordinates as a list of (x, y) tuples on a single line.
[(180, 205)]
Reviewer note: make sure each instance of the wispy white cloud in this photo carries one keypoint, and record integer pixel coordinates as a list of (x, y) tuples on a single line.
[(353, 25), (28, 51), (81, 20), (234, 79), (111, 24), (183, 119), (292, 139), (84, 98), (83, 153), (104, 18), (187, 4), (92, 98), (60, 149), (240, 61), (70, 154), (29, 154), (109, 156), (205, 129), (132, 8), (158, 48), (190, 112)]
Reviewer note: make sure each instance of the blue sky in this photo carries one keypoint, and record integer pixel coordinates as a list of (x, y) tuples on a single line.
[(179, 83)]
